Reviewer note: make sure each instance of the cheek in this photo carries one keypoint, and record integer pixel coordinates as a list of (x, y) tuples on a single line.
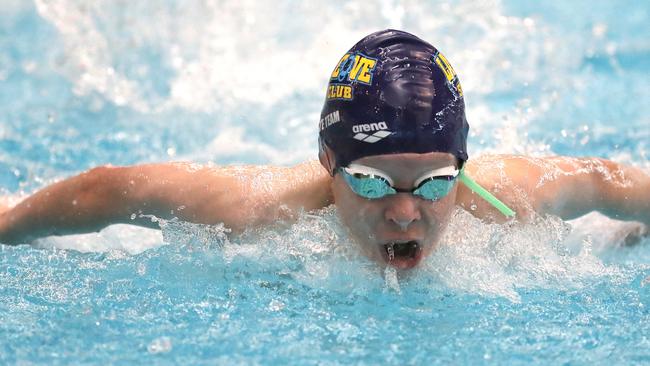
[(356, 213), (441, 210)]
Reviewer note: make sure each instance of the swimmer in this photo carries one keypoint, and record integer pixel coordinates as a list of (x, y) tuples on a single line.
[(392, 158)]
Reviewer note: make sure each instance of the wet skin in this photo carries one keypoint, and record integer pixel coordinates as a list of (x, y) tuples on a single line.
[(400, 218)]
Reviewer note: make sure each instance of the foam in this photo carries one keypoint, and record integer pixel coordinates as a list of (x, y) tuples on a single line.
[(473, 257)]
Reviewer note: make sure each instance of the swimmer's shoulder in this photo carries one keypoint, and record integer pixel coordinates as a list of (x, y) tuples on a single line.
[(525, 167), (511, 178), (310, 186), (492, 161)]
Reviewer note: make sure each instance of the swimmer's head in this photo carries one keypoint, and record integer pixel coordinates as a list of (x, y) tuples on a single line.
[(393, 134), (392, 93)]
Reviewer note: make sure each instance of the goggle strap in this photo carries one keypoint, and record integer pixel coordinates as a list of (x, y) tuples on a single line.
[(483, 193)]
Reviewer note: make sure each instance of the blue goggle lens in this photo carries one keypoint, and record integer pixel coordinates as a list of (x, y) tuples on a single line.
[(435, 188), (374, 187), (371, 187)]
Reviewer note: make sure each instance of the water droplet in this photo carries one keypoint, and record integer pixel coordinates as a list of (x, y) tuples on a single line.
[(390, 278), (276, 305), (133, 216), (160, 345), (472, 207)]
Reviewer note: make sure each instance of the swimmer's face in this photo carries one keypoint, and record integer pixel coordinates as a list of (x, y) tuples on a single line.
[(412, 224)]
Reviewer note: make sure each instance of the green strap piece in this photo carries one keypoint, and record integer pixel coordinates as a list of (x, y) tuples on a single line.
[(476, 188)]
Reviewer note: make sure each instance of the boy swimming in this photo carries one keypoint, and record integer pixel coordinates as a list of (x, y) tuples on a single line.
[(392, 158)]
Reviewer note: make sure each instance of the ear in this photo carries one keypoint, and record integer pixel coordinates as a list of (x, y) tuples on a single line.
[(460, 163), (326, 157)]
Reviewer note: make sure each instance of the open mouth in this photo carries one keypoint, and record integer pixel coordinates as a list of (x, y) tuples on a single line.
[(403, 254)]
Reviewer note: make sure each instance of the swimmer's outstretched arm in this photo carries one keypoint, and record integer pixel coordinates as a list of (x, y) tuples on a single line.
[(563, 186), (239, 197)]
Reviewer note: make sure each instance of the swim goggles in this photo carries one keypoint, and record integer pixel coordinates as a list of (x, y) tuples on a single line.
[(372, 183)]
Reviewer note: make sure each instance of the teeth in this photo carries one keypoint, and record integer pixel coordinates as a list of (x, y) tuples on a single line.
[(402, 249)]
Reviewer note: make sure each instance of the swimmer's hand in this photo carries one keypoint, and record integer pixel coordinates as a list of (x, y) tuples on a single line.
[(239, 197)]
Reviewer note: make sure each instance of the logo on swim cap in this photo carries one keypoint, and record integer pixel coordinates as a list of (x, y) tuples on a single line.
[(381, 133), (329, 120), (352, 68), (450, 74)]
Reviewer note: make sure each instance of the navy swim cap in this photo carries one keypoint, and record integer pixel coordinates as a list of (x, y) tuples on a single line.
[(392, 93)]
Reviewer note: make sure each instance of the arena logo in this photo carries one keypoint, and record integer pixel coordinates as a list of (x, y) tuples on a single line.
[(380, 134), (352, 68)]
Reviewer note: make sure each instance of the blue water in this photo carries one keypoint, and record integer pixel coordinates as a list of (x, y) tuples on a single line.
[(89, 83)]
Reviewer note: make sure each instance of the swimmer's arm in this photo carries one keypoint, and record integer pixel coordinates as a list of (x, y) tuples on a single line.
[(563, 186), (239, 197), (583, 185)]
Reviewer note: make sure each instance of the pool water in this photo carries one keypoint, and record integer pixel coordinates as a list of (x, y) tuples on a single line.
[(89, 83)]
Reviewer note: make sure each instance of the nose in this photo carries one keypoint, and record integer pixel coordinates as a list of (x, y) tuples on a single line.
[(402, 210)]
